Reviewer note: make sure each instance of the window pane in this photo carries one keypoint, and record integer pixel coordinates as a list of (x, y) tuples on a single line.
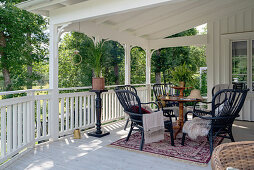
[(239, 61)]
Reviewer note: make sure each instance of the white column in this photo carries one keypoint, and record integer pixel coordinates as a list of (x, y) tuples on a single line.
[(127, 64), (53, 83), (148, 73), (210, 61)]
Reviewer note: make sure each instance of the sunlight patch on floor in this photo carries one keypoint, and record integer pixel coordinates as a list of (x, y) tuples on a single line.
[(238, 126)]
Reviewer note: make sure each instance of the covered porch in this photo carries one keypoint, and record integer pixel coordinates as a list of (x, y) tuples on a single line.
[(143, 23), (93, 153)]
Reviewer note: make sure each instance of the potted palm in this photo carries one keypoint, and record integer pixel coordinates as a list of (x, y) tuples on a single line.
[(182, 75), (97, 56)]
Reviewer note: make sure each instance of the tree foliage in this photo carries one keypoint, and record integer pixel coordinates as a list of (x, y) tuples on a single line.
[(138, 65), (168, 58), (23, 44)]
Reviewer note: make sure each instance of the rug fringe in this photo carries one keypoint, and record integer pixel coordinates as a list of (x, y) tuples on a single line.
[(161, 156)]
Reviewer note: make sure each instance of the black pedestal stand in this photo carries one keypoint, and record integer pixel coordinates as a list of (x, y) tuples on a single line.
[(98, 133)]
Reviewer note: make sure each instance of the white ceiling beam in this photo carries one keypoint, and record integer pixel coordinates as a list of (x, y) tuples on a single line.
[(176, 29), (188, 24), (182, 17), (97, 8), (101, 20), (107, 32), (178, 42), (30, 3), (70, 2), (43, 5), (154, 15), (41, 12), (120, 17)]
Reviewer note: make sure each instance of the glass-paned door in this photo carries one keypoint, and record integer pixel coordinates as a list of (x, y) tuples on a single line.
[(239, 61)]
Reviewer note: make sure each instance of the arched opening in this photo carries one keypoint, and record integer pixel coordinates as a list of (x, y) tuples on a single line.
[(138, 65), (114, 63)]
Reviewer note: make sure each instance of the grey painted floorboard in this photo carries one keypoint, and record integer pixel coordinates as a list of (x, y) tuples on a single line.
[(91, 153)]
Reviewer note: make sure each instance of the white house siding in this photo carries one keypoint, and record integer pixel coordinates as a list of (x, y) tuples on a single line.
[(218, 51)]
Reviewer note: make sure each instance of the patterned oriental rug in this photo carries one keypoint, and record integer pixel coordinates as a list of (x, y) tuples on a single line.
[(194, 152)]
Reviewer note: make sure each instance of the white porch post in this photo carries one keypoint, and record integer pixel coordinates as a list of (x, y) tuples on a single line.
[(148, 73), (210, 61), (127, 63), (53, 83)]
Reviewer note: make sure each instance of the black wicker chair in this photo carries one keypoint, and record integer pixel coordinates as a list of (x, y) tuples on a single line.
[(130, 88), (132, 106), (215, 89), (163, 90), (226, 105)]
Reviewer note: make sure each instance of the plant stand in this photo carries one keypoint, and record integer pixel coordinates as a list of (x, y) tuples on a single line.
[(98, 133)]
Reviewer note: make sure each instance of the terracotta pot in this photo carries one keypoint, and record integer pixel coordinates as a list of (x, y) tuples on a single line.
[(181, 84), (98, 83)]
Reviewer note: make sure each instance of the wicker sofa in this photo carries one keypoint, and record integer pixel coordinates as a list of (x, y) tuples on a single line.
[(239, 155)]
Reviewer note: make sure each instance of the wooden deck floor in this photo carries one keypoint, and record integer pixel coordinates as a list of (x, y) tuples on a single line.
[(91, 153)]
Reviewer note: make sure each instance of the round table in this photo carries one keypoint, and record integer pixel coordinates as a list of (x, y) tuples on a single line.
[(178, 127)]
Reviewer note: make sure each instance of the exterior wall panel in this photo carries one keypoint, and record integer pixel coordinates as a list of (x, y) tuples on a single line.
[(219, 54)]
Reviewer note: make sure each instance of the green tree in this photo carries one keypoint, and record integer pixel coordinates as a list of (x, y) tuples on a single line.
[(22, 43), (74, 70), (138, 65), (167, 58), (114, 64)]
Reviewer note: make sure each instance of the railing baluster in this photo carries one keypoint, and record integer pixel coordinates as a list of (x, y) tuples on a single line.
[(38, 115), (24, 124), (115, 105), (19, 125), (49, 115), (3, 131), (85, 113), (15, 127), (72, 114), (44, 118), (110, 106), (76, 112), (28, 122), (9, 129), (93, 119), (80, 111), (62, 114), (32, 127), (67, 113), (103, 107), (106, 106), (89, 110)]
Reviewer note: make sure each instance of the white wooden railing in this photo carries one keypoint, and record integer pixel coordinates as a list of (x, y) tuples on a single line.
[(25, 120)]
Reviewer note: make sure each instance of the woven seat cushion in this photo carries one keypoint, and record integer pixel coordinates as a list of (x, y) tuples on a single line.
[(197, 127)]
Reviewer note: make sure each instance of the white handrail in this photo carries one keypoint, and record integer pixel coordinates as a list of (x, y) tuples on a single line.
[(22, 91), (89, 87), (60, 89)]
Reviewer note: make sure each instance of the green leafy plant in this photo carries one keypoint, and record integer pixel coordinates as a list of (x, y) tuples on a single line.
[(182, 73), (97, 57)]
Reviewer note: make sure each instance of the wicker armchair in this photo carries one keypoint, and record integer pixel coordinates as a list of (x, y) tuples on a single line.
[(163, 90), (226, 105), (132, 106), (132, 89), (238, 155)]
